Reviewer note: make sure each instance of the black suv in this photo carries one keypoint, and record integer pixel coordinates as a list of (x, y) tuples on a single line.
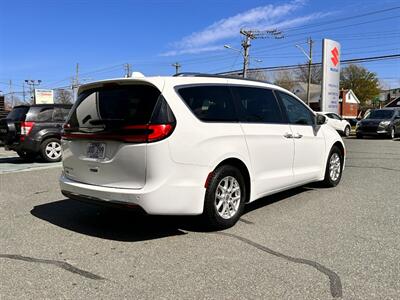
[(35, 129), (380, 122)]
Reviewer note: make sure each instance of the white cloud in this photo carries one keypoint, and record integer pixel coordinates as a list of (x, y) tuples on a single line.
[(264, 17)]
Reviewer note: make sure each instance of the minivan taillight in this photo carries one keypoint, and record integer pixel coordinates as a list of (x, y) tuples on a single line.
[(26, 128), (129, 134)]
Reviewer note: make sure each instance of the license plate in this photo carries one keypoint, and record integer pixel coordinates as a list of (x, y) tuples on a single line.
[(96, 150)]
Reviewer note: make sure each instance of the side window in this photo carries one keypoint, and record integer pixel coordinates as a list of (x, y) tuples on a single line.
[(257, 105), (45, 115), (209, 103), (330, 116), (297, 112), (58, 115), (337, 117)]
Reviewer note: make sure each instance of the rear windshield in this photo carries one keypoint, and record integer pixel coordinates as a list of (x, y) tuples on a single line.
[(18, 113), (380, 114), (113, 106)]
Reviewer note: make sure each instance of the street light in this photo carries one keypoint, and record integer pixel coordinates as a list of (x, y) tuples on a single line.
[(234, 49), (243, 55)]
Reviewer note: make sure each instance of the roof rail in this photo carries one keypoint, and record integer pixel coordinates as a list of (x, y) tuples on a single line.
[(194, 74)]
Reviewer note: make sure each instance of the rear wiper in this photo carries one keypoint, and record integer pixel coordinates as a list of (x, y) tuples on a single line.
[(104, 121)]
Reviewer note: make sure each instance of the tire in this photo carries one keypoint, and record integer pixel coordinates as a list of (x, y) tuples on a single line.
[(347, 131), (334, 168), (50, 150), (359, 136), (220, 212), (392, 133), (28, 156)]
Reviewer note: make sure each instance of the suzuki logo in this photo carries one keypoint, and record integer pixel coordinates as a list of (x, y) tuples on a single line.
[(335, 56)]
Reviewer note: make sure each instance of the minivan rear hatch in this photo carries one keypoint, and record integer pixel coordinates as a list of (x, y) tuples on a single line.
[(106, 135)]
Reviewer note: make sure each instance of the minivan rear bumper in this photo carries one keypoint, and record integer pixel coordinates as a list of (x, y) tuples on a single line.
[(165, 200)]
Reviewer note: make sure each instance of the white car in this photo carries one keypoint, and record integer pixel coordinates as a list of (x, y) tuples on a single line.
[(338, 123), (194, 144)]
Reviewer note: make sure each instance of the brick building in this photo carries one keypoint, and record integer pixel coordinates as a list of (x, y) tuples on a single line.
[(349, 105), (348, 101)]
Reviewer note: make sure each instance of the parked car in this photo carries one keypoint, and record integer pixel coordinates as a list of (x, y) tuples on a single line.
[(35, 130), (352, 121), (380, 122), (338, 123), (193, 144)]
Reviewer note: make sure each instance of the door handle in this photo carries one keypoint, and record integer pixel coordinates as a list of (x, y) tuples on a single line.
[(288, 135), (298, 136)]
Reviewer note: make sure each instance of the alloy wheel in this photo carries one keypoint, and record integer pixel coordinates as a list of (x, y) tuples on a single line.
[(227, 197), (334, 167), (53, 150)]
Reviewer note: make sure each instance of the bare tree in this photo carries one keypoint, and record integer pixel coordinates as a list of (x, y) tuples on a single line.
[(63, 96), (316, 74), (258, 75), (285, 79)]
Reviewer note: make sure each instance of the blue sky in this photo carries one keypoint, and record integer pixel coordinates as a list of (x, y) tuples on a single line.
[(44, 39)]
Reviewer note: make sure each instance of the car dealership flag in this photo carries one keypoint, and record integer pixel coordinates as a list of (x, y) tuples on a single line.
[(330, 75)]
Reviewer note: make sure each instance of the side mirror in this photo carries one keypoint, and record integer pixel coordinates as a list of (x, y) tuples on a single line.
[(320, 119)]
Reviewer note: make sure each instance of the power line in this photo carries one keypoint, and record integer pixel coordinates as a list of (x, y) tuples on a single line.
[(343, 19), (346, 61)]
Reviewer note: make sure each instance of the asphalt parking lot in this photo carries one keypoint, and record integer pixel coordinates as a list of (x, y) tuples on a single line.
[(306, 243)]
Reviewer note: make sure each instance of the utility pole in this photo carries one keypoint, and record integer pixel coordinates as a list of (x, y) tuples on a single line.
[(177, 67), (252, 35), (75, 83), (127, 68), (246, 45), (11, 93), (309, 58), (310, 43), (23, 91)]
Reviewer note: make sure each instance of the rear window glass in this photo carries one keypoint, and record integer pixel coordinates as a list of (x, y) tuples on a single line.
[(18, 113), (114, 106), (209, 103)]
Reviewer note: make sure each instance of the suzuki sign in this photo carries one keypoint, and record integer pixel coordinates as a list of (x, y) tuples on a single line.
[(330, 76)]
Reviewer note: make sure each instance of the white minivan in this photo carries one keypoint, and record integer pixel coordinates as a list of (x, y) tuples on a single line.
[(193, 144)]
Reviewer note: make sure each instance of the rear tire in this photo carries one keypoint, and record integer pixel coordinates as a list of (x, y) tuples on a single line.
[(225, 198), (347, 131), (50, 150), (334, 168)]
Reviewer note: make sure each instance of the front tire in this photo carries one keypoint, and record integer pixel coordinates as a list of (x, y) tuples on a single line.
[(50, 150), (225, 198), (334, 168), (393, 133)]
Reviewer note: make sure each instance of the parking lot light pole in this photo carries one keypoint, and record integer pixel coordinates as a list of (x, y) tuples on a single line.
[(32, 83)]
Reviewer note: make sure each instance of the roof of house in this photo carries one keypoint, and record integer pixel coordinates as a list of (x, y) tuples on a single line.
[(352, 99)]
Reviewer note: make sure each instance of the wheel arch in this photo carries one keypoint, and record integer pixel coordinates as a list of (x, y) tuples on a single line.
[(242, 167)]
